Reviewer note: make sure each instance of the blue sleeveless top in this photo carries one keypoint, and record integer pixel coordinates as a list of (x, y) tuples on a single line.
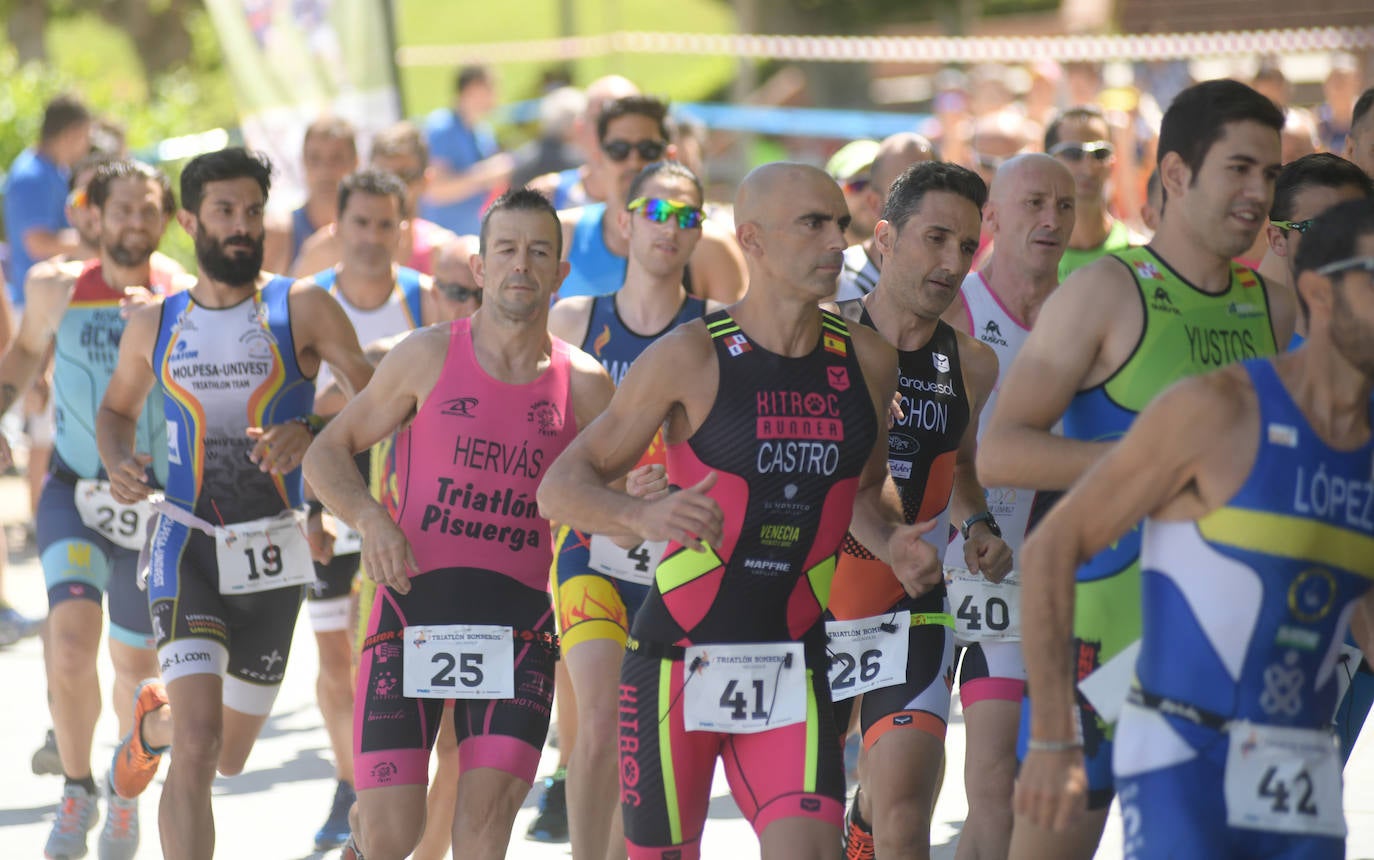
[(595, 270), (407, 280), (612, 343), (301, 229)]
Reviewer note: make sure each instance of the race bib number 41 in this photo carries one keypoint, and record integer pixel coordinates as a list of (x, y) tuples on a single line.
[(263, 555), (867, 653), (459, 661), (744, 688), (124, 525), (1284, 780), (984, 611)]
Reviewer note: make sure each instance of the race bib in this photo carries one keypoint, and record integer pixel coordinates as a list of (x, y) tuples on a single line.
[(1107, 687), (124, 525), (636, 564), (744, 688), (459, 661), (984, 611), (867, 653), (264, 554), (347, 540), (1284, 780)]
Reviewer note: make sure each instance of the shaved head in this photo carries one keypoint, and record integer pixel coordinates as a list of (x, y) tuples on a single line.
[(1015, 172), (602, 91), (790, 221), (778, 187), (895, 154), (1030, 213)]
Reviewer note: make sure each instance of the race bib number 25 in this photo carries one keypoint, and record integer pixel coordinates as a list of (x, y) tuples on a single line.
[(459, 661)]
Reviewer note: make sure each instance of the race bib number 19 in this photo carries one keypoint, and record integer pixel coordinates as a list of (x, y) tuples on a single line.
[(867, 653), (1283, 780), (263, 555), (744, 688), (459, 661)]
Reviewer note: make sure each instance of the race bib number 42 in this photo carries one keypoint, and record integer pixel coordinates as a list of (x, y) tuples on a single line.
[(744, 688), (459, 661), (1283, 780), (867, 653), (263, 555), (123, 525), (984, 611)]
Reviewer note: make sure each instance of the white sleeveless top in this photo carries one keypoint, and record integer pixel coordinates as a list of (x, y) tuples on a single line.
[(858, 277), (390, 318)]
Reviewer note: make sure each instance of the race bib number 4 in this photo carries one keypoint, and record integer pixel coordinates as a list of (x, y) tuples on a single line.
[(984, 611), (636, 564), (124, 525), (744, 688), (459, 661), (867, 653), (1284, 780), (263, 555)]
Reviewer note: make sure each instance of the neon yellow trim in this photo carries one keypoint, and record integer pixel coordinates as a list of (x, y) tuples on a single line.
[(813, 724), (684, 566), (821, 577), (1287, 536), (944, 619), (665, 748)]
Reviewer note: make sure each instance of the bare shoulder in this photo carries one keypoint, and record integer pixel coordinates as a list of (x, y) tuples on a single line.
[(979, 361), (426, 346), (1102, 286), (568, 318), (142, 326), (54, 276)]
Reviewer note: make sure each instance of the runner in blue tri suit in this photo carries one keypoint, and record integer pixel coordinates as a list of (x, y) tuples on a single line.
[(234, 358), (1256, 559)]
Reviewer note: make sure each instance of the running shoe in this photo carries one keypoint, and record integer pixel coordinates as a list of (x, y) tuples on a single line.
[(14, 626), (75, 817), (335, 831), (119, 836), (551, 824), (135, 763), (858, 836), (45, 758)]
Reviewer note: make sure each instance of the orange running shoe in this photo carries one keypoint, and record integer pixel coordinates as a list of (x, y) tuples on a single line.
[(858, 837), (135, 763)]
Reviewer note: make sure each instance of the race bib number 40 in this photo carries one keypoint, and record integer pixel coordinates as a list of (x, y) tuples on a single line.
[(636, 564), (867, 653), (1284, 780), (123, 525), (744, 688), (263, 555), (984, 611), (459, 661)]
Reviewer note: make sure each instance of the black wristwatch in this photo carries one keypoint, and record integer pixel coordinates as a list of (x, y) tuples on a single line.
[(984, 517)]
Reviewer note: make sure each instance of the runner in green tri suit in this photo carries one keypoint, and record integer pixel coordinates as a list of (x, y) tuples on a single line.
[(1110, 339)]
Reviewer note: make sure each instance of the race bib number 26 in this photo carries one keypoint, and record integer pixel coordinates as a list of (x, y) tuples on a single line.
[(867, 653)]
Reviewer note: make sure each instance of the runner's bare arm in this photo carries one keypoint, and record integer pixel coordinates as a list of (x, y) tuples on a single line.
[(592, 388), (717, 266), (1167, 465), (47, 290), (984, 552), (116, 424), (673, 380), (326, 334), (569, 318), (1063, 355), (276, 243), (318, 253)]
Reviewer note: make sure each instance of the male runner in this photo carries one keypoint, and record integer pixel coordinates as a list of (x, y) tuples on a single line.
[(1030, 215), (89, 544), (328, 154), (772, 411), (861, 261), (1305, 188), (633, 132), (927, 238), (381, 299), (234, 358), (1359, 143), (851, 167), (487, 403), (1081, 139), (1109, 339), (578, 186), (1255, 560), (598, 585)]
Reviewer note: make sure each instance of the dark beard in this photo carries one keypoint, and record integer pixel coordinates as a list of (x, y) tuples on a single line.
[(127, 257), (234, 270)]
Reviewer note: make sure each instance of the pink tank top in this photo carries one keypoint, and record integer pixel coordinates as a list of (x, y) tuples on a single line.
[(468, 465), (423, 238)]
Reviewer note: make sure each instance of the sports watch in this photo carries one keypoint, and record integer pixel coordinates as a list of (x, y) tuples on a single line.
[(984, 517)]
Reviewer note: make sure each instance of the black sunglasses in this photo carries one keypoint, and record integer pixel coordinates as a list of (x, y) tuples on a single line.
[(1100, 150), (619, 150), (456, 292)]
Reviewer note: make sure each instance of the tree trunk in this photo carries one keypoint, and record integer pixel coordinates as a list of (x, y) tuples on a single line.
[(26, 21), (161, 38)]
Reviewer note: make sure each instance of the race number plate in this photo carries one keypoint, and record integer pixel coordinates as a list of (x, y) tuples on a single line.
[(124, 525), (347, 540), (264, 554), (744, 688), (459, 661), (984, 611), (636, 564), (1284, 780), (867, 653)]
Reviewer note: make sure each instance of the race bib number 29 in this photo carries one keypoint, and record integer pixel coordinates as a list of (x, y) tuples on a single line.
[(744, 688), (123, 525)]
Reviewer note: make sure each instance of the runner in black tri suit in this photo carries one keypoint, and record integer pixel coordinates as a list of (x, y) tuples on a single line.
[(772, 412), (927, 238)]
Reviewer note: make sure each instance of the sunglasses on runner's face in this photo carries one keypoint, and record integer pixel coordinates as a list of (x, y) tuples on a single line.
[(1300, 226), (659, 211), (619, 150), (456, 292), (1365, 264), (1073, 151)]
